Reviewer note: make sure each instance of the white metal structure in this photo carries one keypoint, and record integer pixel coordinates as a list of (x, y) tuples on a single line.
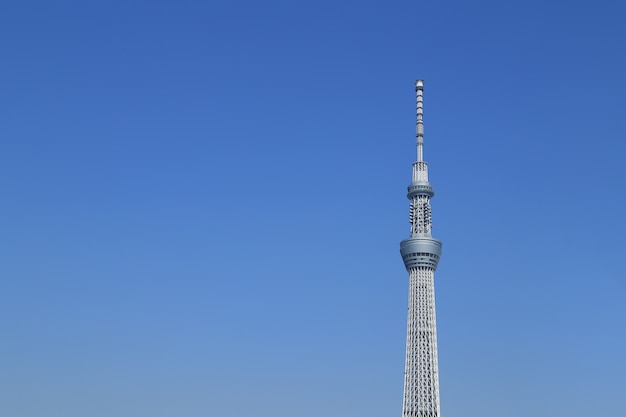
[(421, 254)]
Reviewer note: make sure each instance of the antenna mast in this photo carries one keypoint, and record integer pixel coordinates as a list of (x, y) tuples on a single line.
[(419, 123)]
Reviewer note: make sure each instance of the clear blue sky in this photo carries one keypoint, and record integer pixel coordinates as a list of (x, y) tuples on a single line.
[(202, 203)]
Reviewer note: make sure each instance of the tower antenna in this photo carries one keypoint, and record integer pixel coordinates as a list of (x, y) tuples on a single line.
[(419, 122)]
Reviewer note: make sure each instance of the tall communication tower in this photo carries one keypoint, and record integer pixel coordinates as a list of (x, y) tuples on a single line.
[(420, 254)]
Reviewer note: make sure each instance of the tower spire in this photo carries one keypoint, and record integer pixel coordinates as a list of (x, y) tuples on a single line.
[(420, 168), (419, 123)]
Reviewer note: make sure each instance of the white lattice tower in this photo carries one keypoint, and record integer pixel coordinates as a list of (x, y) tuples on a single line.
[(421, 253)]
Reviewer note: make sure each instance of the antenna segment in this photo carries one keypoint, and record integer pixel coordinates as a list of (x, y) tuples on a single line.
[(419, 123), (420, 168)]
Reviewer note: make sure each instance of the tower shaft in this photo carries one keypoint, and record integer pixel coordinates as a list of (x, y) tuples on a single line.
[(421, 253), (421, 379)]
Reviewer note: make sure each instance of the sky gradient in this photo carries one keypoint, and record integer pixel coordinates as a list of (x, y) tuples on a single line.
[(202, 204)]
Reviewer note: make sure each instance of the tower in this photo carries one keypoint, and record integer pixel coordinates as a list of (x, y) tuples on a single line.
[(420, 253)]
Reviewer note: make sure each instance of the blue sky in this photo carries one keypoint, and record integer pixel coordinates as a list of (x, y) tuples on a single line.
[(202, 204)]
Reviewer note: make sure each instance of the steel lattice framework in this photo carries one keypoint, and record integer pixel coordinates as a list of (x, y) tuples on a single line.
[(421, 253)]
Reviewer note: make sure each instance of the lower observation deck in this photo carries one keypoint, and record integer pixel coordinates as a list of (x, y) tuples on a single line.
[(420, 252)]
